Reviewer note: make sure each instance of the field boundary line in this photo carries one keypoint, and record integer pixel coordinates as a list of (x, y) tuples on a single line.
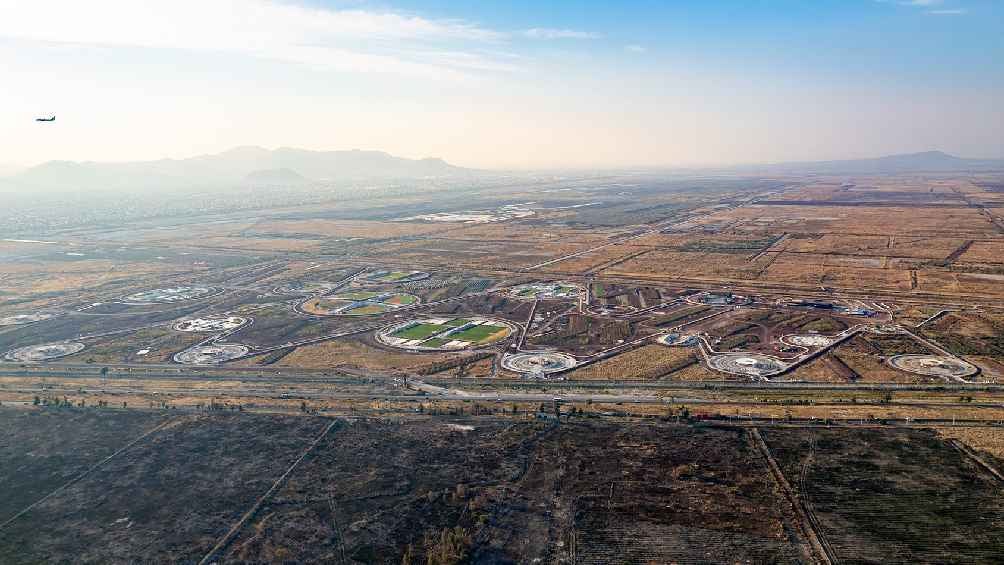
[(239, 525), (970, 454), (83, 475), (806, 523)]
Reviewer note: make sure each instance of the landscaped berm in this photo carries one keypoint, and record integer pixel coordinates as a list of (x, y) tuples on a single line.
[(358, 303), (438, 334)]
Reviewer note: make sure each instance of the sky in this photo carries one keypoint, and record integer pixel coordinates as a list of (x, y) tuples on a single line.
[(509, 85)]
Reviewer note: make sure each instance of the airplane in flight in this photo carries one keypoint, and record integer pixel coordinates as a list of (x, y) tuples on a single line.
[(51, 118)]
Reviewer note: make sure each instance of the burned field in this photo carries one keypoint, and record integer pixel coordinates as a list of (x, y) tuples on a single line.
[(479, 490), (893, 497), (168, 497), (41, 451), (518, 493)]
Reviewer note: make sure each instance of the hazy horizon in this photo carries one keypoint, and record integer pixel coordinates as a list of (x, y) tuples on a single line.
[(513, 86)]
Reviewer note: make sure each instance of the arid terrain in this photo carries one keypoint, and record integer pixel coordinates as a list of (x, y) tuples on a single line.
[(595, 369)]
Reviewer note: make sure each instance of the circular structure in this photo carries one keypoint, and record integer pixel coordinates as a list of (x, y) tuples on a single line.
[(395, 277), (807, 340), (538, 364), (44, 352), (445, 334), (21, 319), (933, 366), (358, 303), (170, 295), (545, 291), (677, 340), (210, 324), (746, 364), (211, 354)]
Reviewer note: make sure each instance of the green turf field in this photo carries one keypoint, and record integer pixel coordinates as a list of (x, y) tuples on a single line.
[(478, 334), (436, 342), (357, 295), (457, 322), (419, 331)]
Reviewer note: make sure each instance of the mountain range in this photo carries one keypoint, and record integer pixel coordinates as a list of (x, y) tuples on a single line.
[(924, 162), (236, 167), (287, 167)]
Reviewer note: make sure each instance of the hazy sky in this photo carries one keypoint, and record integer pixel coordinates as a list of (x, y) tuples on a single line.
[(521, 83)]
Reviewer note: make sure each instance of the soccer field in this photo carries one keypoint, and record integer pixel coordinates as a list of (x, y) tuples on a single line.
[(479, 334), (419, 331)]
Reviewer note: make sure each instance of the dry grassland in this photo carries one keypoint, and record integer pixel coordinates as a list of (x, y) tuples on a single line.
[(794, 269), (163, 343), (990, 440), (590, 261), (820, 370), (259, 244), (667, 264), (984, 252), (947, 282), (489, 255), (860, 220), (332, 354), (525, 233), (325, 229), (35, 278), (648, 362), (700, 372), (878, 246)]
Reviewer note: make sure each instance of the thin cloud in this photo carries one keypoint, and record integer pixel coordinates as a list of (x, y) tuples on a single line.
[(929, 6), (549, 33), (635, 49), (354, 40)]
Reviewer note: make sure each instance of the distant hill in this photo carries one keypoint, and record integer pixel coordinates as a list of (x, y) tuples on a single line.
[(235, 167), (928, 161), (274, 177)]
